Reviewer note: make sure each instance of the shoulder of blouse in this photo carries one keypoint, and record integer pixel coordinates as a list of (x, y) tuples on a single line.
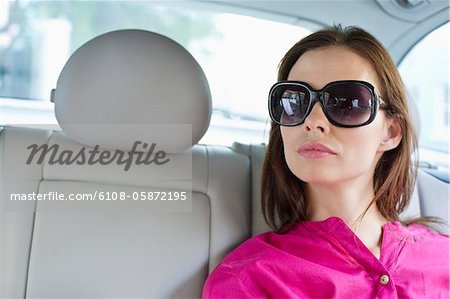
[(420, 232)]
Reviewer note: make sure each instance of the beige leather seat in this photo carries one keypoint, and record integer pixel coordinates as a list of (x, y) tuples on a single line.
[(122, 87)]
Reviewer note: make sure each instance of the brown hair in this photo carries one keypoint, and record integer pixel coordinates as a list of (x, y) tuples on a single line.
[(283, 194)]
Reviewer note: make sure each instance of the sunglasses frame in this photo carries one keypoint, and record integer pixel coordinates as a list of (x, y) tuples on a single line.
[(317, 96)]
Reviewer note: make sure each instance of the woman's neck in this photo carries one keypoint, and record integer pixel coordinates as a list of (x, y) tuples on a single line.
[(348, 202)]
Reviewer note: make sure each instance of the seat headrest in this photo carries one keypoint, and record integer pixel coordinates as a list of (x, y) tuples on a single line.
[(132, 77)]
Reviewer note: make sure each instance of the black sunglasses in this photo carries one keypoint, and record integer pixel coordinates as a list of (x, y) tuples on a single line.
[(347, 103)]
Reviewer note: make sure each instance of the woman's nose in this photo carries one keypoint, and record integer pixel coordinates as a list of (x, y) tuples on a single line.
[(316, 120)]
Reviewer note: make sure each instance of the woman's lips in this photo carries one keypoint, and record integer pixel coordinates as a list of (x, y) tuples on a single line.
[(315, 151)]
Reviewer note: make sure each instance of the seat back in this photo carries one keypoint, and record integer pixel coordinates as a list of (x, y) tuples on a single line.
[(122, 87)]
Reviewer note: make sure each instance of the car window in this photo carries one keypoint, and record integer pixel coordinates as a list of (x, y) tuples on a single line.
[(425, 73), (239, 55)]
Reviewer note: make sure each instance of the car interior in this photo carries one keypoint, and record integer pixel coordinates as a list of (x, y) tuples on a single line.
[(111, 91)]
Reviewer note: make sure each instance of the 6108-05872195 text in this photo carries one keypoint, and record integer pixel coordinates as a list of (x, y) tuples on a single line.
[(102, 195)]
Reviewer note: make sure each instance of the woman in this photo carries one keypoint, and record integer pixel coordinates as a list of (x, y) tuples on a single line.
[(337, 174)]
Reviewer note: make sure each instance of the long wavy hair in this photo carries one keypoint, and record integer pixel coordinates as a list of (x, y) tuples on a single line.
[(283, 194)]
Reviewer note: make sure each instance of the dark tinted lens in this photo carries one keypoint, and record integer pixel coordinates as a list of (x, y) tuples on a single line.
[(348, 103), (289, 104)]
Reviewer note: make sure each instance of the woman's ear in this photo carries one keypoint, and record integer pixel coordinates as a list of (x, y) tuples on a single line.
[(392, 135)]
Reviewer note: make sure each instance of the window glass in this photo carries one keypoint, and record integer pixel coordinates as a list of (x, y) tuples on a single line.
[(239, 55), (425, 73)]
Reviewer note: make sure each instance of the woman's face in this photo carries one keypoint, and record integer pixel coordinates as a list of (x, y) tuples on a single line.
[(352, 152)]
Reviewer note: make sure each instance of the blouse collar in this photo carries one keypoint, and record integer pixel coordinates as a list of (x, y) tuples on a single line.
[(335, 223)]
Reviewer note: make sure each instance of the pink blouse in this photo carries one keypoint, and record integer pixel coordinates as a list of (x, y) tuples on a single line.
[(326, 259)]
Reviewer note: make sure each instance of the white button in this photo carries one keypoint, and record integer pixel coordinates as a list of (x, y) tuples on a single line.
[(384, 279)]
